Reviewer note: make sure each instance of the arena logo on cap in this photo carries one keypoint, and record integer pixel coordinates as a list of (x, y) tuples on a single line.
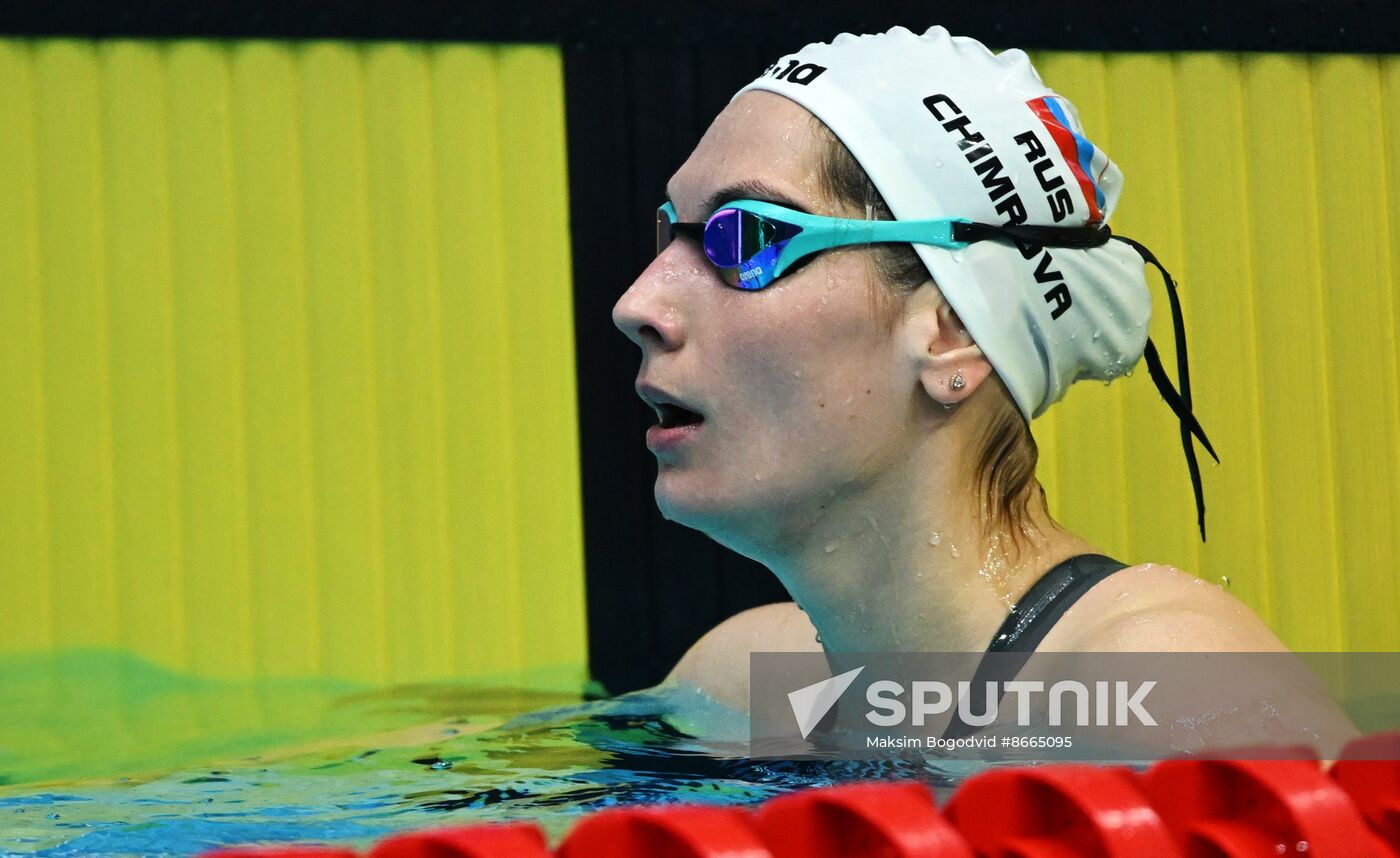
[(795, 72)]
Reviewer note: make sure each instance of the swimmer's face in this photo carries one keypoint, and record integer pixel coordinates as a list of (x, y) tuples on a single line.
[(803, 388)]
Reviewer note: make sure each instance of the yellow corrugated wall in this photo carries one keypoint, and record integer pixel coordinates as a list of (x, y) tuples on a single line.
[(286, 358), (275, 400), (1270, 187)]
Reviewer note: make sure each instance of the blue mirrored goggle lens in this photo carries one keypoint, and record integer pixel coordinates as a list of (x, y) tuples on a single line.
[(745, 247), (733, 235)]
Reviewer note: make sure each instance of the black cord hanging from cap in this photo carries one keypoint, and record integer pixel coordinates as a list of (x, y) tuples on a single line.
[(1180, 402)]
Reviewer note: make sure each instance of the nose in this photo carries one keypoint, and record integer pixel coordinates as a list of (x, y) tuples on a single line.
[(648, 312)]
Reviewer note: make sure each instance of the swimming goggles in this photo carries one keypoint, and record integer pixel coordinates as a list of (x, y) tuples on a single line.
[(753, 243)]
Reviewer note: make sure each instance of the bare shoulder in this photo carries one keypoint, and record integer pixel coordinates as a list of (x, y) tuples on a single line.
[(718, 663), (1159, 608)]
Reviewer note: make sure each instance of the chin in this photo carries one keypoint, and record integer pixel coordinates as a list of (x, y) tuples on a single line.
[(740, 523), (681, 501)]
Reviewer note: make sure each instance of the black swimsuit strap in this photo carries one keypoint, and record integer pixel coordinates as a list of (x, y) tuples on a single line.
[(1031, 619), (1047, 600)]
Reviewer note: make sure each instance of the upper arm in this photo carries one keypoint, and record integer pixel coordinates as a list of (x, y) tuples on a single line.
[(1156, 608), (1231, 700), (1183, 628), (718, 663)]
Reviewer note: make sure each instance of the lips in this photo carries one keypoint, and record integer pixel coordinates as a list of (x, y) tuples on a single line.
[(672, 416), (671, 410), (677, 420)]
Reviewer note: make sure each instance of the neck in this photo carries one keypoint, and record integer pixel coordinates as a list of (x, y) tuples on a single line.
[(884, 572)]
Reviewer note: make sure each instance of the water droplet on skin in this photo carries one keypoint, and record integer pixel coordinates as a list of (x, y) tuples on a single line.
[(953, 550), (830, 548), (934, 538), (1121, 596)]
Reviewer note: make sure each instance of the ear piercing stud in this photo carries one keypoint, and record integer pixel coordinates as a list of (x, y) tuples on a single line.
[(956, 382)]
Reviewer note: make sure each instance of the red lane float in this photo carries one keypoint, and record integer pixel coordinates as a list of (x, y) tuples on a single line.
[(1059, 810), (670, 831), (1369, 771), (876, 820), (1232, 808)]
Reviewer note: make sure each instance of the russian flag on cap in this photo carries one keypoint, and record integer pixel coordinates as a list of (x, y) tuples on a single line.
[(1086, 161)]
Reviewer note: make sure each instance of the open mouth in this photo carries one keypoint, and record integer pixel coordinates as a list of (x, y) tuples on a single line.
[(673, 416)]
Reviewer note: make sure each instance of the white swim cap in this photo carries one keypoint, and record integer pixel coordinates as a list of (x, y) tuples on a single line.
[(944, 128)]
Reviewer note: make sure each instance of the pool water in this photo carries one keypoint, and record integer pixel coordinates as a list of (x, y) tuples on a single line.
[(104, 755), (473, 766)]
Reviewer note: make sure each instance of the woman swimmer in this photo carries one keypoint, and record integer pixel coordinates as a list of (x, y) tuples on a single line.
[(854, 415)]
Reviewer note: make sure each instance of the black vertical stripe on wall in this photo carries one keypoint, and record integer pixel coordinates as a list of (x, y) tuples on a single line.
[(654, 587)]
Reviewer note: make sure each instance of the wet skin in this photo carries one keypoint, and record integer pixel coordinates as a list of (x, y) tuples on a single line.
[(832, 443), (832, 446)]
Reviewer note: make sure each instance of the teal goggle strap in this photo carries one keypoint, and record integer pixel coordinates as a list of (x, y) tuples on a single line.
[(753, 243)]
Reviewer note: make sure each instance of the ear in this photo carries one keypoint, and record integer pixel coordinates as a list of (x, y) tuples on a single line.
[(950, 365)]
